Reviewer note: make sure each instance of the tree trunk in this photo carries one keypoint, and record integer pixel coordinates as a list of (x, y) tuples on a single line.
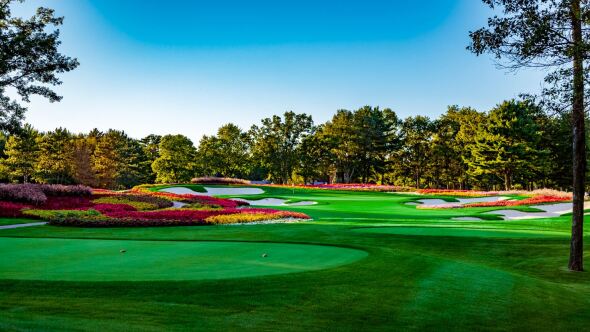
[(579, 149)]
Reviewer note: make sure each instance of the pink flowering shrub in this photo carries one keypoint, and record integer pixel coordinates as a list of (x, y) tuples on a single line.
[(460, 193), (11, 210), (218, 180)]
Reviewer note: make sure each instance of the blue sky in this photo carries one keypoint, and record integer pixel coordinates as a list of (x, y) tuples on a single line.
[(190, 66)]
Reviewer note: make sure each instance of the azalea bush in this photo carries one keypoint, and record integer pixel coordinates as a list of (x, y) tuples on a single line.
[(11, 210)]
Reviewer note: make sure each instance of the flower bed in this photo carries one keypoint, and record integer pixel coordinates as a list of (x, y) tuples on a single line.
[(120, 215), (348, 187), (541, 199), (126, 209), (11, 210), (459, 193), (218, 180)]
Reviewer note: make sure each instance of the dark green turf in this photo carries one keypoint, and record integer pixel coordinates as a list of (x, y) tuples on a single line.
[(423, 272), (14, 221)]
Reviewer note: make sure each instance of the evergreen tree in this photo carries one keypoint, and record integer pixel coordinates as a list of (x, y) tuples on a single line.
[(22, 153), (55, 157), (506, 145)]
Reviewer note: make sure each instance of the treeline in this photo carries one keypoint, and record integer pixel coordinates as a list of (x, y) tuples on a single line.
[(514, 145)]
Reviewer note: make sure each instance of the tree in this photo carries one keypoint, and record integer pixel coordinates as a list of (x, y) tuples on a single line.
[(22, 154), (226, 154), (276, 141), (55, 157), (506, 143), (417, 135), (548, 34), (82, 151), (29, 60), (340, 136), (151, 150), (176, 162)]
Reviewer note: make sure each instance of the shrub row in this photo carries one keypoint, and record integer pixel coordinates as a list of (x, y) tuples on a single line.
[(11, 210), (541, 199), (218, 180), (37, 193)]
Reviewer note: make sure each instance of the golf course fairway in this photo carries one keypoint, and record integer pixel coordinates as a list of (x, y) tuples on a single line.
[(115, 260)]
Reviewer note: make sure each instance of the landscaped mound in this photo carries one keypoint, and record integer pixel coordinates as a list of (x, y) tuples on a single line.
[(103, 208), (458, 193), (218, 180), (350, 187), (532, 198)]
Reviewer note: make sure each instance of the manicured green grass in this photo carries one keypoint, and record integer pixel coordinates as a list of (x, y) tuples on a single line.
[(102, 260), (14, 221), (423, 271)]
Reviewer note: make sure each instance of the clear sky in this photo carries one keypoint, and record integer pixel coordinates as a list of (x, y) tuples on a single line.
[(188, 67)]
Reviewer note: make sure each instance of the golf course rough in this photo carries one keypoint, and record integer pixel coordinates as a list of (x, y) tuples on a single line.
[(122, 260)]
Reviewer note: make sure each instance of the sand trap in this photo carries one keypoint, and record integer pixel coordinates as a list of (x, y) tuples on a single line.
[(276, 202), (178, 205), (549, 211), (233, 191), (214, 191), (467, 219), (461, 201)]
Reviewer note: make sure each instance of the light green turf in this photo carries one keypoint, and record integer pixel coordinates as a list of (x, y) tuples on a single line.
[(102, 260)]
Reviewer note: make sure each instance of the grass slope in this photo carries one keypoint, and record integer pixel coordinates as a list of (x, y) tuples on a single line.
[(423, 272)]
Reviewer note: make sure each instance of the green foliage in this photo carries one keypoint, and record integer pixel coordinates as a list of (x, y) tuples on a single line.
[(55, 157), (30, 61), (226, 154), (276, 142), (60, 215), (176, 162), (506, 145), (140, 206), (22, 153)]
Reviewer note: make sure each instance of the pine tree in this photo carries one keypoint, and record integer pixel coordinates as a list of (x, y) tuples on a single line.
[(22, 154)]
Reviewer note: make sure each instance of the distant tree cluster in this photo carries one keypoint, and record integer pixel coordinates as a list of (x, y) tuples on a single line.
[(514, 145)]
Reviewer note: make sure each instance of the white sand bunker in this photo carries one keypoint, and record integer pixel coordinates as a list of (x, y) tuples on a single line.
[(214, 191), (233, 191), (549, 211), (467, 219), (433, 202), (276, 202)]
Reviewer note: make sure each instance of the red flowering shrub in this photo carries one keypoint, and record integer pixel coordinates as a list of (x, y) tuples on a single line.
[(66, 203), (11, 210)]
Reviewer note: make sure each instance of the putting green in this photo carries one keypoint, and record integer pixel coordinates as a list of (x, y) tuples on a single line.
[(461, 232), (102, 260)]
